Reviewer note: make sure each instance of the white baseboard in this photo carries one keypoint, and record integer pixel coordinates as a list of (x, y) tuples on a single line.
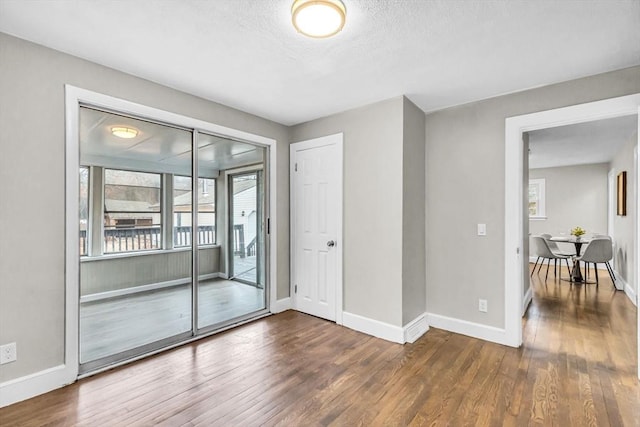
[(622, 285), (23, 388), (281, 305), (143, 288), (416, 328), (373, 327), (526, 300), (471, 329)]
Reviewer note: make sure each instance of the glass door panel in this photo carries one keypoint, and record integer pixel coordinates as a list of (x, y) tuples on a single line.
[(220, 300), (135, 280), (245, 208)]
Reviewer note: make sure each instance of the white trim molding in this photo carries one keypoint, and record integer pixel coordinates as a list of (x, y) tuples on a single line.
[(373, 327), (514, 179), (416, 328), (622, 285), (470, 329), (23, 388), (281, 305)]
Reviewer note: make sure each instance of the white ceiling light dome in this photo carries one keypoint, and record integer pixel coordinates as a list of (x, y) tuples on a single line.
[(318, 18), (124, 132)]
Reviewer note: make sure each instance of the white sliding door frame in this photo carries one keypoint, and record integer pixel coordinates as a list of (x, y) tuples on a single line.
[(514, 215), (74, 98)]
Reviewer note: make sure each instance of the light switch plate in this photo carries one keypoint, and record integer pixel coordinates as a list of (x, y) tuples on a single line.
[(482, 229)]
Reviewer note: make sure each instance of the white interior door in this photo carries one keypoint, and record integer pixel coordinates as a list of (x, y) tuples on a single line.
[(316, 207)]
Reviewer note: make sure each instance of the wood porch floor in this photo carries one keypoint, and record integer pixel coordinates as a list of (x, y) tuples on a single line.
[(577, 367)]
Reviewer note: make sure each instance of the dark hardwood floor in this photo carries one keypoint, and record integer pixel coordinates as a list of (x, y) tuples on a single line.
[(577, 367)]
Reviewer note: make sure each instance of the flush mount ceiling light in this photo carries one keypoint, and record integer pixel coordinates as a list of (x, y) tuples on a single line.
[(318, 18), (124, 132)]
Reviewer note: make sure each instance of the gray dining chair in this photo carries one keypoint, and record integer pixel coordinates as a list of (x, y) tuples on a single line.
[(542, 250), (554, 246), (599, 251)]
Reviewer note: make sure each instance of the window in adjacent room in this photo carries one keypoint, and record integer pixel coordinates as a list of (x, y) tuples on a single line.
[(537, 199), (84, 209)]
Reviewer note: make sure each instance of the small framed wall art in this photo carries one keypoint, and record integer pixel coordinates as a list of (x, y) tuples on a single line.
[(622, 193)]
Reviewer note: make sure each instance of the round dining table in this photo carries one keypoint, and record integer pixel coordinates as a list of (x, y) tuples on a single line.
[(576, 273)]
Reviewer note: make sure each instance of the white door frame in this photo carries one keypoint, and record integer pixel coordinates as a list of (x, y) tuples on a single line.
[(636, 164), (74, 96), (611, 200), (514, 215), (336, 139)]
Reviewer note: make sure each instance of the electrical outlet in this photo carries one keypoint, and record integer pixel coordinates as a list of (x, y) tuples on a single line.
[(8, 353), (482, 305)]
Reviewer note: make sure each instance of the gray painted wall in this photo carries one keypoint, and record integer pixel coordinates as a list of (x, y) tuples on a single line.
[(384, 207), (32, 189), (413, 211), (575, 196), (372, 222), (465, 186), (623, 226)]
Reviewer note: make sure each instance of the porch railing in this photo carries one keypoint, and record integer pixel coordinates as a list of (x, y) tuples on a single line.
[(182, 235), (144, 238)]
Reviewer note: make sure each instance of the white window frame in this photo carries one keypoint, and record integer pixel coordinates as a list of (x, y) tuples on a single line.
[(541, 211), (161, 212)]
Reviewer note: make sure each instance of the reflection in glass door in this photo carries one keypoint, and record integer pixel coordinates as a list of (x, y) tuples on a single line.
[(135, 289), (146, 223), (222, 301), (246, 228)]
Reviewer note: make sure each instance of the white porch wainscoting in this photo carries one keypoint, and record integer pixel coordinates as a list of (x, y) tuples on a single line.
[(144, 288), (470, 329), (29, 386), (281, 305)]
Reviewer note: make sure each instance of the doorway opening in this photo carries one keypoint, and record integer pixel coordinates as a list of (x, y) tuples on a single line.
[(516, 265)]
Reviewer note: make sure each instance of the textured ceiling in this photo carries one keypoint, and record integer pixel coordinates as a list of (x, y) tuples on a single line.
[(580, 144), (246, 54)]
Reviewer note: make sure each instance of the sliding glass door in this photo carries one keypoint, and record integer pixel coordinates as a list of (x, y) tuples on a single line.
[(135, 289), (228, 298), (148, 220)]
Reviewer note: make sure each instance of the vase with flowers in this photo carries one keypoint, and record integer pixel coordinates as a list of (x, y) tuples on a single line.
[(578, 232)]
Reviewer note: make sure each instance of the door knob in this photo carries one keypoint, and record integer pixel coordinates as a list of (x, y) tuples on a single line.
[(331, 243)]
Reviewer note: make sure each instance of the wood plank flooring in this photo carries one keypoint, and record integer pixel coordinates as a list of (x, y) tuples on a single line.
[(577, 367)]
